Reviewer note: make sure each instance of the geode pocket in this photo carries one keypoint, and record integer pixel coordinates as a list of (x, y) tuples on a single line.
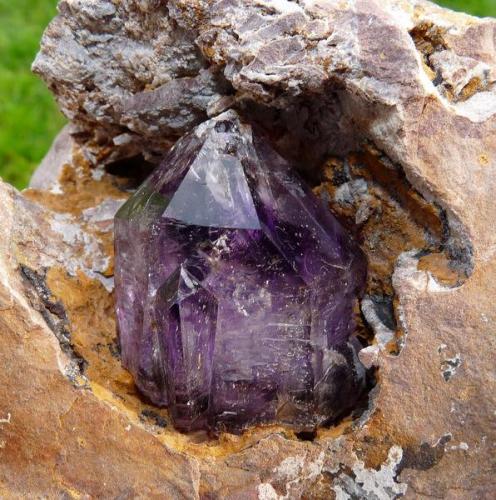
[(235, 287)]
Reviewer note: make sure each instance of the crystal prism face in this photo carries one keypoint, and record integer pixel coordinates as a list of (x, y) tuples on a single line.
[(235, 288)]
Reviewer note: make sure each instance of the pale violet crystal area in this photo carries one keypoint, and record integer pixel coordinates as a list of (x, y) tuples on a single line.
[(235, 288)]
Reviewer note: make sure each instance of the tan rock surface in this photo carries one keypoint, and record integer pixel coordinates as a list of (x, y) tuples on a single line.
[(405, 80), (57, 438)]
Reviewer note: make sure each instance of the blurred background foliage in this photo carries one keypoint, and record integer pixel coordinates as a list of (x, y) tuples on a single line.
[(29, 119), (476, 7)]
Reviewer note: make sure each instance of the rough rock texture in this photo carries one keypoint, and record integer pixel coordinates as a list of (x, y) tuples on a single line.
[(406, 85), (47, 174)]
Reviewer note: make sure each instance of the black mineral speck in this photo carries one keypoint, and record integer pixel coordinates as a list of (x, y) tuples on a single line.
[(157, 419)]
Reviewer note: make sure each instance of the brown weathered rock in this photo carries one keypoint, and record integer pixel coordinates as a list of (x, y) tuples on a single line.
[(410, 88), (57, 438), (48, 172)]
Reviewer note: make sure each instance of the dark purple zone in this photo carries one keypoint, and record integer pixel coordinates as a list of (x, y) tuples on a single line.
[(235, 288)]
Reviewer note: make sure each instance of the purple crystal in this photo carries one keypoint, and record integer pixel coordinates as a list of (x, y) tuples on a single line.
[(235, 287)]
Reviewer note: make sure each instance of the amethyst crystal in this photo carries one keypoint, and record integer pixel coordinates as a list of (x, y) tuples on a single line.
[(235, 287)]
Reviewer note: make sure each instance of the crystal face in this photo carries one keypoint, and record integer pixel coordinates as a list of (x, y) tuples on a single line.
[(235, 288)]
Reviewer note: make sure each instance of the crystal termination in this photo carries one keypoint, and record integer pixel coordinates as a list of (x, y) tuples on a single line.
[(235, 288)]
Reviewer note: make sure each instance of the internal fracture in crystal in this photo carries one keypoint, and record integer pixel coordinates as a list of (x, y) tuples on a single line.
[(235, 288)]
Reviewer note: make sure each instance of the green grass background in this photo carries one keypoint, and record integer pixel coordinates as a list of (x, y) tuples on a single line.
[(29, 119)]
